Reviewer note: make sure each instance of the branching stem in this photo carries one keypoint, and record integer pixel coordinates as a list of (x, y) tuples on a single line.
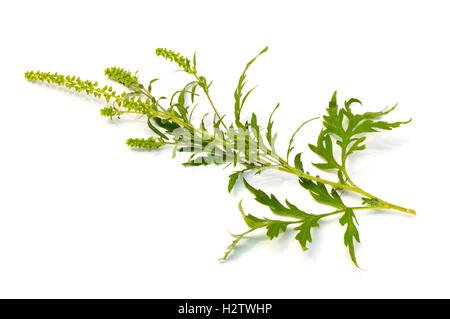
[(211, 102), (289, 169)]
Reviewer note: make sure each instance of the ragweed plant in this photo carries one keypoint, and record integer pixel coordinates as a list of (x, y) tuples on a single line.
[(247, 145)]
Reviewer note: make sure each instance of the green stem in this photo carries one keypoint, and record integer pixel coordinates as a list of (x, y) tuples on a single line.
[(392, 206), (341, 211), (211, 102), (289, 169), (323, 216), (355, 208), (348, 177)]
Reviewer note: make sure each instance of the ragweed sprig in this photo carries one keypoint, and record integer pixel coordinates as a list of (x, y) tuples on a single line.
[(247, 145)]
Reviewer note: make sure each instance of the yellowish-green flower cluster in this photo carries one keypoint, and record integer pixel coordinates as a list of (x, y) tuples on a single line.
[(176, 57), (127, 105), (136, 104), (110, 111), (122, 76), (72, 82), (148, 143), (122, 103)]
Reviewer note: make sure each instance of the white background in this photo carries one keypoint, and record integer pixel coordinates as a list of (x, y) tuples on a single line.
[(81, 215)]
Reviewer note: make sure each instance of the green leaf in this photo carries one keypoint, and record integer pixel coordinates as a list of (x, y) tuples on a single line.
[(369, 126), (274, 204), (324, 149), (251, 221), (239, 100), (290, 147), (216, 122), (348, 135), (255, 127), (193, 88), (304, 234), (298, 162), (150, 85), (275, 227), (320, 193), (351, 233), (233, 245), (154, 129), (166, 124), (269, 135), (232, 180), (194, 62), (357, 145)]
